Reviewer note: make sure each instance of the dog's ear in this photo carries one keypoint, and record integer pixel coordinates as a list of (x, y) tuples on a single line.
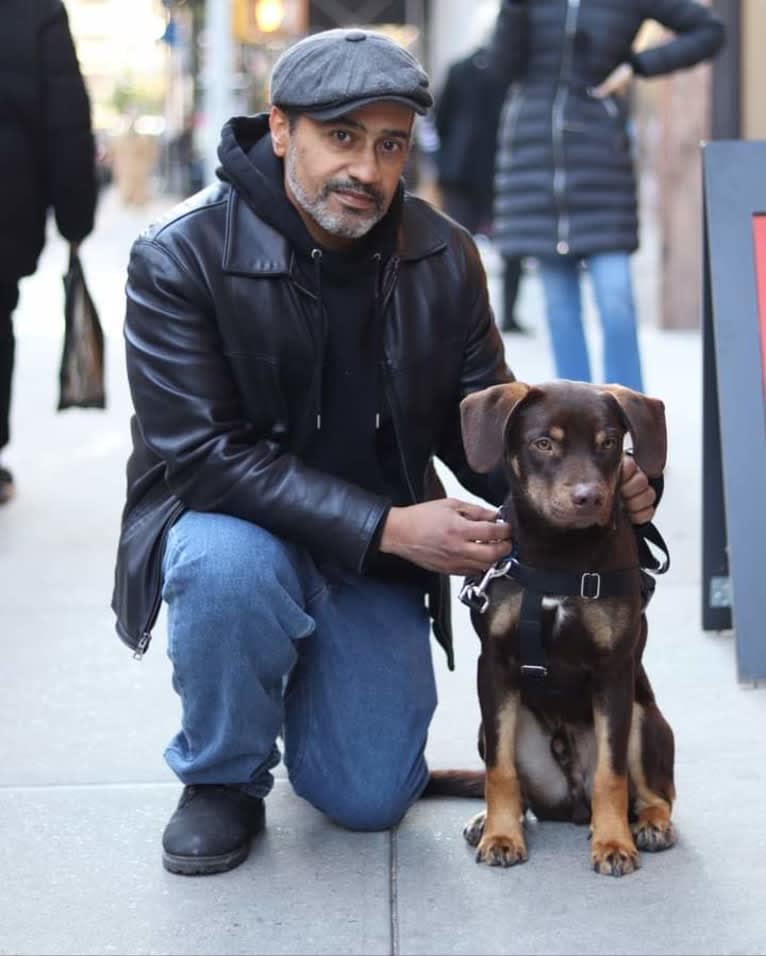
[(645, 418), (483, 419)]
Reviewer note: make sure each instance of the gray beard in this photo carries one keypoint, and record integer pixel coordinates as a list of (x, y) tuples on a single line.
[(344, 225)]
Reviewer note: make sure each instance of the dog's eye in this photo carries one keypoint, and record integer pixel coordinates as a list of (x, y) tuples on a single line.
[(609, 444), (543, 444)]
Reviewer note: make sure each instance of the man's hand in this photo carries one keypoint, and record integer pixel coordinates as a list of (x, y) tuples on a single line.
[(618, 81), (447, 535), (637, 493)]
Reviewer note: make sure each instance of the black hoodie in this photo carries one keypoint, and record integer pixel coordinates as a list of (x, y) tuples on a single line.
[(354, 437)]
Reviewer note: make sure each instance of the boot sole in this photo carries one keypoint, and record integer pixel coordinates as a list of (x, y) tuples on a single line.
[(204, 865)]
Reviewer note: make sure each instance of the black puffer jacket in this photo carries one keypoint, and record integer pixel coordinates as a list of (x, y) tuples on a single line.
[(565, 181), (224, 345), (46, 146), (467, 116)]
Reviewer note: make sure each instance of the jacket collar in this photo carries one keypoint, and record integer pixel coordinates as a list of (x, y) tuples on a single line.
[(252, 247)]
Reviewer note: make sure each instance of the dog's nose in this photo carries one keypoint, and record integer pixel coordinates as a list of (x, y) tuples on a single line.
[(587, 496)]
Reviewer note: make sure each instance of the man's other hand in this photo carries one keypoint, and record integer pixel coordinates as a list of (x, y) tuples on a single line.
[(447, 535), (637, 493)]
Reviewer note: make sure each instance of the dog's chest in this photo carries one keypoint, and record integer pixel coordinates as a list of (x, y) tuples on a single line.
[(572, 629)]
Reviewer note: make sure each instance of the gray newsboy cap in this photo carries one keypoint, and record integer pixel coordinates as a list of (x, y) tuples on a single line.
[(332, 73)]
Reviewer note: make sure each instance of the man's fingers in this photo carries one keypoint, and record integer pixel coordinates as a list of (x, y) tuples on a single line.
[(486, 531), (473, 512), (478, 557), (629, 467)]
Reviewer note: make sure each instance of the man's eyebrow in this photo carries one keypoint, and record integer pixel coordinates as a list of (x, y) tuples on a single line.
[(356, 124)]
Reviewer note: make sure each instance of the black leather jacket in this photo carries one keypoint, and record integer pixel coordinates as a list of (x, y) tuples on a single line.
[(221, 357)]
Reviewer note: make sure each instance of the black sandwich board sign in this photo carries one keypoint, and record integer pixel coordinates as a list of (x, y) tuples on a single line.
[(734, 398)]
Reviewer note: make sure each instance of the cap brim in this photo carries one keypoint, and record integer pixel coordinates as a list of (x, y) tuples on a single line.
[(343, 109)]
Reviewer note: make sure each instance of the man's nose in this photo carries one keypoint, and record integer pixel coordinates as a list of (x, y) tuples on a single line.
[(364, 166)]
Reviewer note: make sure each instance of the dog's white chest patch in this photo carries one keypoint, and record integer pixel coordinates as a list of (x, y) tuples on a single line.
[(559, 608)]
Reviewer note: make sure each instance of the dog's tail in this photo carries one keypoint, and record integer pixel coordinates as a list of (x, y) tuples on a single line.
[(455, 783)]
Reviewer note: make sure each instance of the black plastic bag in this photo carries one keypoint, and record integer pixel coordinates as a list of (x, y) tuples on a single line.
[(81, 376)]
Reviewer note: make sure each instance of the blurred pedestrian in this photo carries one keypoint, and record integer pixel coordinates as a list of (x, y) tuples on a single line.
[(134, 157), (565, 184), (299, 336), (47, 160), (467, 118)]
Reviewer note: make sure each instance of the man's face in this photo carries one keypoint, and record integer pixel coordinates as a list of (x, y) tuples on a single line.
[(343, 174)]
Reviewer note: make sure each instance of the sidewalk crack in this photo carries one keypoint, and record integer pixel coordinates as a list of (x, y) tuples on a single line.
[(393, 889)]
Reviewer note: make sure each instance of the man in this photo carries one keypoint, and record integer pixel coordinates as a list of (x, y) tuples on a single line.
[(46, 160), (298, 339)]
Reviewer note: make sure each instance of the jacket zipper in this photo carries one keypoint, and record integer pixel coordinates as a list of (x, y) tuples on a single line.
[(146, 632), (559, 105), (388, 290)]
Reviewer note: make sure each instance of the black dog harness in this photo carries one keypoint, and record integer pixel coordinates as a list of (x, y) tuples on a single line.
[(540, 583)]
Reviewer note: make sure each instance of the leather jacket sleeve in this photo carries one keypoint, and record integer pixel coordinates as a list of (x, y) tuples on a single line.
[(190, 416)]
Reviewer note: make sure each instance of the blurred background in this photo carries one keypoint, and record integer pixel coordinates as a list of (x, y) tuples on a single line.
[(164, 75)]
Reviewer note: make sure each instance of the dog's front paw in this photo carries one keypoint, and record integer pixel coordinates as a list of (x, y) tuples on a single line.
[(654, 836), (501, 849), (474, 828), (614, 857)]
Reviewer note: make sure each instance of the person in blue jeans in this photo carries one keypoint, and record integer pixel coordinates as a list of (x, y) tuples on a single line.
[(609, 274), (565, 186), (298, 339)]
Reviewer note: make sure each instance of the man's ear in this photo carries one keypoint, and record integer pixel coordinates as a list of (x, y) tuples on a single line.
[(280, 131)]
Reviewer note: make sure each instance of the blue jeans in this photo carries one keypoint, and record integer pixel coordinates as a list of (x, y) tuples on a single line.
[(613, 293), (263, 642)]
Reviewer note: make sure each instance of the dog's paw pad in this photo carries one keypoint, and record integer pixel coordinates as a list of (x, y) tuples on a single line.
[(654, 838), (474, 828), (614, 860), (501, 851)]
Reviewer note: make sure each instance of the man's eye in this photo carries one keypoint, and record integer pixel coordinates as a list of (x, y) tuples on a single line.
[(391, 146), (543, 444), (341, 135)]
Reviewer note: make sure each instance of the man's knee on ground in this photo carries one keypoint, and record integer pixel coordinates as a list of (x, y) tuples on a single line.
[(366, 804)]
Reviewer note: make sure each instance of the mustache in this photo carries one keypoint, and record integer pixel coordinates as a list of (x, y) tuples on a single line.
[(349, 186)]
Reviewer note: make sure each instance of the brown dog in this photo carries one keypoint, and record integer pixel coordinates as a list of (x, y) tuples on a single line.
[(570, 728)]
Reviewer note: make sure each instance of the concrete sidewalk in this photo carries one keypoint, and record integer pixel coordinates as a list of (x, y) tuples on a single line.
[(85, 794)]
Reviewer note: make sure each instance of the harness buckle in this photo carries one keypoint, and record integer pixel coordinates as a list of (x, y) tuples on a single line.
[(590, 585), (538, 671)]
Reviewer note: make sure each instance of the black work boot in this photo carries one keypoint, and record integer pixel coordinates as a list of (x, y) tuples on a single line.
[(211, 829)]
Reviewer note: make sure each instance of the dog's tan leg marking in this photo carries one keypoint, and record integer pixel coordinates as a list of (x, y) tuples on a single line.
[(653, 830), (502, 842), (612, 851)]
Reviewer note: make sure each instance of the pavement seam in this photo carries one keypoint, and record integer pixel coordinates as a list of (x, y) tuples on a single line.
[(394, 888)]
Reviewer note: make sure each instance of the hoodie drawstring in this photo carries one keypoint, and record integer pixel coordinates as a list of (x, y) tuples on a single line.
[(377, 338), (316, 255)]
